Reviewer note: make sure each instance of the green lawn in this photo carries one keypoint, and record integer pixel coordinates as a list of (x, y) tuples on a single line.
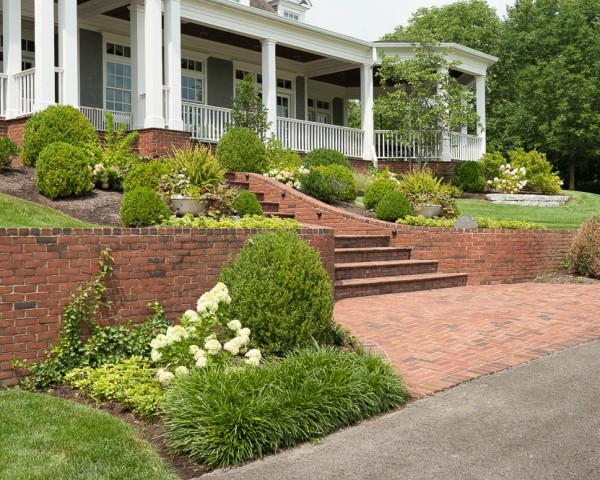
[(48, 438), (15, 213), (580, 207)]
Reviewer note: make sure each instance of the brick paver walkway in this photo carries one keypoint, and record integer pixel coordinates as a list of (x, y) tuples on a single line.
[(440, 338)]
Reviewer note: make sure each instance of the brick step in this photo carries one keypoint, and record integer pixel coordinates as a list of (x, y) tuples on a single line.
[(409, 283), (242, 185), (269, 207), (280, 215), (346, 271), (351, 255), (361, 241)]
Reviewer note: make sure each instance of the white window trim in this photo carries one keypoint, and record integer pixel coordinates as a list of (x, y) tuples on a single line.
[(198, 57), (314, 111), (120, 40)]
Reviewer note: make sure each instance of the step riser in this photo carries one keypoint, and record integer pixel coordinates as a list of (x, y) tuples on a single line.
[(280, 215), (371, 256), (361, 242), (242, 185), (269, 206), (363, 291), (384, 271)]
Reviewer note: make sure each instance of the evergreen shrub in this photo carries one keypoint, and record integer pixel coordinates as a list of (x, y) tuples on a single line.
[(141, 207), (146, 174), (469, 177), (245, 203), (393, 205), (377, 190), (8, 151), (331, 183), (241, 150), (585, 251), (325, 156)]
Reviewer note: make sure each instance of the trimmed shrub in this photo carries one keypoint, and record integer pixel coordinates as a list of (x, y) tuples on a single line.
[(249, 221), (146, 174), (63, 171), (8, 151), (141, 207), (538, 171), (240, 150), (482, 222), (377, 190), (491, 162), (469, 177), (245, 203), (58, 123), (585, 251), (332, 183), (280, 290), (393, 205), (324, 157), (226, 417)]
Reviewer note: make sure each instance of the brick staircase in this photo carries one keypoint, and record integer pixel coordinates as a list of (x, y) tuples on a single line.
[(270, 209), (367, 265)]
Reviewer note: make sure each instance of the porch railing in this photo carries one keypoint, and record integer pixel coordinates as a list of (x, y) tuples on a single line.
[(3, 81), (303, 136), (25, 90), (204, 122), (97, 118), (389, 147), (465, 147)]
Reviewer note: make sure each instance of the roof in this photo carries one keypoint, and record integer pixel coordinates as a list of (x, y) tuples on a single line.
[(262, 5)]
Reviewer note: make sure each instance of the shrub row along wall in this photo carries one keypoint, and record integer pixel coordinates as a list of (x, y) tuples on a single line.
[(40, 268), (488, 256)]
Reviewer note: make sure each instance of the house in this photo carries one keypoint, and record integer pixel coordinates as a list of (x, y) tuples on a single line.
[(170, 68)]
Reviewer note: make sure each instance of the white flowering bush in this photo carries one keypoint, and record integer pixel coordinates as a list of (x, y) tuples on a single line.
[(105, 177), (509, 180), (292, 178), (204, 337)]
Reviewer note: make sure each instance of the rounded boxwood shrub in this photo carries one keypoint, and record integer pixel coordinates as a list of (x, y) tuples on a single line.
[(377, 190), (469, 177), (58, 123), (325, 156), (281, 291), (245, 203), (332, 183), (141, 207), (585, 251), (63, 171), (393, 205), (240, 150), (146, 174)]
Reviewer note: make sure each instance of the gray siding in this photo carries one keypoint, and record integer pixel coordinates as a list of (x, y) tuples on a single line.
[(300, 98), (91, 69), (220, 82), (338, 111)]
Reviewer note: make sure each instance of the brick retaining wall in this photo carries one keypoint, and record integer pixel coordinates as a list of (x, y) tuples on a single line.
[(40, 268)]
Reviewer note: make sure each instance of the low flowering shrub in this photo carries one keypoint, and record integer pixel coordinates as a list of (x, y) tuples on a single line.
[(482, 222), (289, 178), (509, 180), (490, 163), (584, 256), (539, 171), (226, 417), (248, 221)]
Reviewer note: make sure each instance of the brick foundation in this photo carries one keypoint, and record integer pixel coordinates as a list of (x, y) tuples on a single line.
[(40, 268), (155, 142)]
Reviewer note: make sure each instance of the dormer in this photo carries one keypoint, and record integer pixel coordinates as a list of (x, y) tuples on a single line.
[(291, 9)]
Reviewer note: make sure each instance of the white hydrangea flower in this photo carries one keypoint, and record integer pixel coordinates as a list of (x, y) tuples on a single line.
[(182, 370), (213, 346), (165, 377), (244, 332), (232, 346), (191, 316), (194, 349), (199, 354), (155, 355), (253, 357), (201, 362), (243, 340), (234, 325)]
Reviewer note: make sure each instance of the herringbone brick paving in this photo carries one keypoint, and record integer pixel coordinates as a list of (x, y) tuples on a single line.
[(438, 339)]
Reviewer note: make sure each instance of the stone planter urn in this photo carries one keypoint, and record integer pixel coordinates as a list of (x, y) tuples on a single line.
[(185, 206), (428, 211)]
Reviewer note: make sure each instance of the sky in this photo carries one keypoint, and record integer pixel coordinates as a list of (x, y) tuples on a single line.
[(370, 19)]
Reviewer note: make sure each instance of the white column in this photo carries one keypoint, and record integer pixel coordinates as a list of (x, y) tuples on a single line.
[(366, 106), (480, 97), (44, 54), (153, 64), (136, 26), (67, 51), (269, 77), (173, 63), (11, 16), (446, 146)]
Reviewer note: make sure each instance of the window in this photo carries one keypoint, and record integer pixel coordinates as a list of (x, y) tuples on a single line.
[(118, 77), (318, 110), (291, 15), (283, 106), (285, 90), (192, 81)]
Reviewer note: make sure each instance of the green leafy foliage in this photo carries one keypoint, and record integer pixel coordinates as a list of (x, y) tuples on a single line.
[(362, 181), (469, 177), (584, 256), (63, 171), (482, 222), (280, 290), (324, 157), (377, 190), (199, 166), (241, 150), (393, 205), (248, 221), (245, 203), (226, 417), (332, 183), (279, 158), (422, 187), (491, 163), (539, 171), (9, 150), (141, 207), (248, 110), (58, 123), (132, 382), (146, 174)]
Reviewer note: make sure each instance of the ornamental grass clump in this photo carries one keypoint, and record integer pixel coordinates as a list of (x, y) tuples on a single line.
[(225, 417), (585, 251)]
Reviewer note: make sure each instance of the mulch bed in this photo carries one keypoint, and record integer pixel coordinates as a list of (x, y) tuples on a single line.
[(153, 433)]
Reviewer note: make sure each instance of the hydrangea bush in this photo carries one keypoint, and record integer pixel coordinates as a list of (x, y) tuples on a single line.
[(204, 337), (292, 178), (509, 180)]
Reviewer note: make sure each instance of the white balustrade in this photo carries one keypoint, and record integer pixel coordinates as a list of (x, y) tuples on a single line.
[(389, 147), (204, 122), (97, 117), (465, 147), (3, 81), (303, 136), (25, 91)]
